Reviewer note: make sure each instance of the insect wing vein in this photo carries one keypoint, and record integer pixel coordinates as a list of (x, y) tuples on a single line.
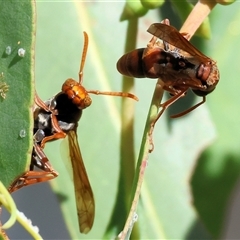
[(171, 35), (83, 192)]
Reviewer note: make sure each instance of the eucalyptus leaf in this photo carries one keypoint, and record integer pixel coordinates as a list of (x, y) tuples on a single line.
[(17, 72), (218, 168)]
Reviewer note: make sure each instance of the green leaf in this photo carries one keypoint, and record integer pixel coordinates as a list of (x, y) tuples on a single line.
[(17, 31), (218, 169)]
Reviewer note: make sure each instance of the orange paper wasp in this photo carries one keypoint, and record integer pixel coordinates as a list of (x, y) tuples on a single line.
[(58, 118), (175, 61)]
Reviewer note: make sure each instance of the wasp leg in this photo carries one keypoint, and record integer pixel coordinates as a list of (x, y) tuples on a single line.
[(163, 106), (58, 132), (30, 177), (40, 103)]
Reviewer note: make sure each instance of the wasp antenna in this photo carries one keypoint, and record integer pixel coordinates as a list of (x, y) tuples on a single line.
[(116, 94), (84, 54)]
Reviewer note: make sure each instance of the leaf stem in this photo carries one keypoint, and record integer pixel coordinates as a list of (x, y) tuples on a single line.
[(127, 155), (197, 16), (146, 147), (127, 117), (7, 201)]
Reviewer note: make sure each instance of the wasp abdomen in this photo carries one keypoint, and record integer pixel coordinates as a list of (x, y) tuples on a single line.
[(130, 64)]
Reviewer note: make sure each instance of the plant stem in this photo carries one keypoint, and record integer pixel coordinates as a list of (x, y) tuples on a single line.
[(197, 16), (7, 201), (146, 147)]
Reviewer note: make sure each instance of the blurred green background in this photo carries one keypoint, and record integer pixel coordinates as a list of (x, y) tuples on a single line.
[(193, 171)]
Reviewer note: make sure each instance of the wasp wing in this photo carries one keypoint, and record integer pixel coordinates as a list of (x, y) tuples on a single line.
[(172, 36), (83, 191)]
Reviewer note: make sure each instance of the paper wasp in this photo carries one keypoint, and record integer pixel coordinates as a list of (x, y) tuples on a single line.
[(58, 118), (175, 61)]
